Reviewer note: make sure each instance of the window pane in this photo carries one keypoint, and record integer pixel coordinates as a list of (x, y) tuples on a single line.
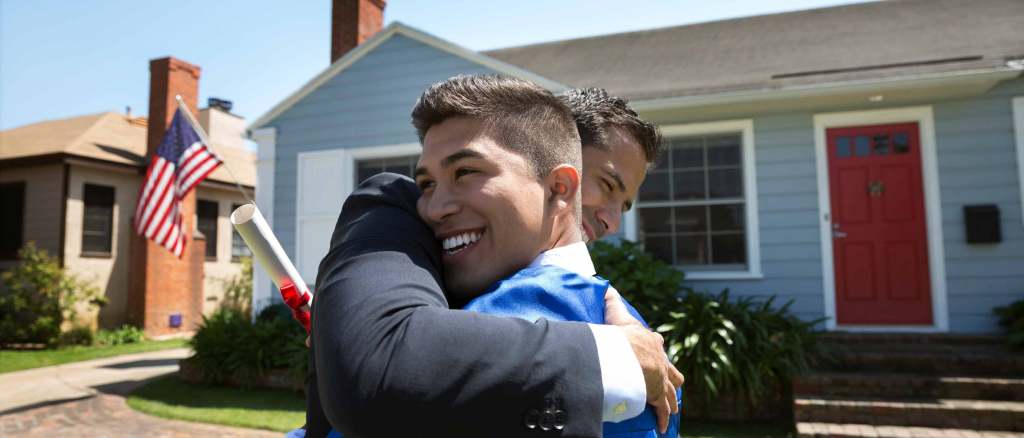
[(655, 220), (12, 198), (238, 247), (729, 248), (206, 221), (882, 144), (655, 187), (725, 183), (687, 153), (724, 150), (843, 147), (727, 217), (901, 143), (660, 246), (688, 184), (691, 219), (370, 167), (692, 249), (97, 218), (863, 146)]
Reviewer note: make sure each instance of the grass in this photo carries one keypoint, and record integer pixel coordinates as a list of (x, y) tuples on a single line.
[(700, 429), (14, 360), (170, 397)]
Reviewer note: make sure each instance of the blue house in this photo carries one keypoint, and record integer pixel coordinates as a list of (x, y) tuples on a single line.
[(866, 161)]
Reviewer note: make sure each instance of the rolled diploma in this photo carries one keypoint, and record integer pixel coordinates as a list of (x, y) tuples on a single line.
[(267, 251)]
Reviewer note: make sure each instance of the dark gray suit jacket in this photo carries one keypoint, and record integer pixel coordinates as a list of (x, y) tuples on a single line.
[(390, 358)]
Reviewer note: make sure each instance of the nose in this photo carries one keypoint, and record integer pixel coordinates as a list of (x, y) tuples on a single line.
[(438, 206), (610, 218)]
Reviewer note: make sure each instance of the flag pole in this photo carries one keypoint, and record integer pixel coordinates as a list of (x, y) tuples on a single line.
[(206, 140)]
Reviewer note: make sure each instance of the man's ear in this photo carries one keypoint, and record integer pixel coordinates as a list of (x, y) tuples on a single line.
[(563, 184)]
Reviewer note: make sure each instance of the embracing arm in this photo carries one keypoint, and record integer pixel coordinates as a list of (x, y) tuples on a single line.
[(392, 359)]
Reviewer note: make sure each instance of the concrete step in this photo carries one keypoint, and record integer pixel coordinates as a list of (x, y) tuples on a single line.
[(936, 413), (963, 361), (893, 385), (851, 430)]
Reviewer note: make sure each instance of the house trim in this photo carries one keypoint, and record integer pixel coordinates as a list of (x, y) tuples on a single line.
[(1018, 128), (990, 77), (746, 128), (923, 116), (266, 141), (393, 29)]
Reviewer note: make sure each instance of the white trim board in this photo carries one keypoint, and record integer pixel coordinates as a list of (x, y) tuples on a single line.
[(1018, 128), (266, 145), (397, 28), (753, 229), (332, 170), (923, 116)]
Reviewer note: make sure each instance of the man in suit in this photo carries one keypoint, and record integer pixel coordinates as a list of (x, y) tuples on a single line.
[(391, 359)]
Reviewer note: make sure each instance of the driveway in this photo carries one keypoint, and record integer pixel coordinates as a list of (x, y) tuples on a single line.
[(87, 399)]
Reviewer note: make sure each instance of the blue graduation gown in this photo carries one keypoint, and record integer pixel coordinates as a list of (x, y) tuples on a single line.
[(557, 294)]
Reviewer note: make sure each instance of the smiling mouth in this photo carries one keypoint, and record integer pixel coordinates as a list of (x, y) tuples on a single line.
[(460, 242)]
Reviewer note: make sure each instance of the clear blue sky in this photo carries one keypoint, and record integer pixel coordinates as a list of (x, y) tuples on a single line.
[(61, 58)]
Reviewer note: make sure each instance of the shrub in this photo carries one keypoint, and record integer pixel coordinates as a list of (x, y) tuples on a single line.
[(1012, 318), (238, 289), (228, 344), (40, 296), (720, 344), (78, 335), (127, 334)]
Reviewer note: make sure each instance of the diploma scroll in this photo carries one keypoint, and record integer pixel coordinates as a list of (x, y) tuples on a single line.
[(267, 251)]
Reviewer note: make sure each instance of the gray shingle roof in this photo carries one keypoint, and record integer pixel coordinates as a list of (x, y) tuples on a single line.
[(853, 42)]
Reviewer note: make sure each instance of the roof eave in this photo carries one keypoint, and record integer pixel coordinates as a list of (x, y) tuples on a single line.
[(877, 85)]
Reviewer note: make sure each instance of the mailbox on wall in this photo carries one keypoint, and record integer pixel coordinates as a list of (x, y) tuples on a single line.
[(982, 223)]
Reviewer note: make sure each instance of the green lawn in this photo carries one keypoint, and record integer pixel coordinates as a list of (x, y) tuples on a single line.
[(169, 397), (737, 429), (14, 360)]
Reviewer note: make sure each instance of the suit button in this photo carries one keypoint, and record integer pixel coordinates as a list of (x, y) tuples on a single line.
[(531, 418), (560, 419), (547, 421)]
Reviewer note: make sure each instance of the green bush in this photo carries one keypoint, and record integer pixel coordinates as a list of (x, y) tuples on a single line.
[(720, 344), (228, 344), (127, 334), (1012, 318), (78, 335), (238, 289), (40, 297)]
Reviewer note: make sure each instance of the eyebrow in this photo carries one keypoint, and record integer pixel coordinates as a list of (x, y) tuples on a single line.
[(453, 158), (618, 178)]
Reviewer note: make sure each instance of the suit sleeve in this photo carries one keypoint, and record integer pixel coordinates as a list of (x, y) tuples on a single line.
[(393, 360)]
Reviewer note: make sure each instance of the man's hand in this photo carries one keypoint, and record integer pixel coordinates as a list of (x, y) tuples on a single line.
[(660, 376)]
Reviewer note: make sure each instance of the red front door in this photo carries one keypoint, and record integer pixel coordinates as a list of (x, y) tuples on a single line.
[(879, 240)]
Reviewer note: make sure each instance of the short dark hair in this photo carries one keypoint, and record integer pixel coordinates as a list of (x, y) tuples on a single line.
[(519, 115), (595, 111)]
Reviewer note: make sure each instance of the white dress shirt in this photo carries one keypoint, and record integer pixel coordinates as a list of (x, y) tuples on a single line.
[(625, 393)]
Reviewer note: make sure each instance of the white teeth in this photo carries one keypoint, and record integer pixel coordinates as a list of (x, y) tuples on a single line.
[(450, 243)]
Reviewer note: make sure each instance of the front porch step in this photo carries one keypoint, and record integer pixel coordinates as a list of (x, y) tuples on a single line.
[(957, 361), (908, 386), (935, 413), (881, 339), (852, 430)]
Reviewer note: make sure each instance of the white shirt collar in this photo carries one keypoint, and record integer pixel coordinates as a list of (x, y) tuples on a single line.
[(574, 257)]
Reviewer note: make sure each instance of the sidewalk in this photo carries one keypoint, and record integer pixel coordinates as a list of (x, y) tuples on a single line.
[(87, 399)]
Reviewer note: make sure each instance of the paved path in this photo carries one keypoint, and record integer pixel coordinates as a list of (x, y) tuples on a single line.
[(87, 399)]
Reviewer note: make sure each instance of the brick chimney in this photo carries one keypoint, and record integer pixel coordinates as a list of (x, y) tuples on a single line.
[(352, 22), (164, 289)]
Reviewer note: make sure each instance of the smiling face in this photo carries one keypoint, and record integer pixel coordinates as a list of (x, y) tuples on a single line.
[(485, 204), (612, 175)]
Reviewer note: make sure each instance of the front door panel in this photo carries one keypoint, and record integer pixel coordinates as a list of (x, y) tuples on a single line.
[(879, 239)]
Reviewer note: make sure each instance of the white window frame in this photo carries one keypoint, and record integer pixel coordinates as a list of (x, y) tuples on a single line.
[(328, 209), (1018, 128), (746, 129), (923, 116)]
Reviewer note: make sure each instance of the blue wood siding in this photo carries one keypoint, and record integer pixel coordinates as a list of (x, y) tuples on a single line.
[(368, 104), (977, 165)]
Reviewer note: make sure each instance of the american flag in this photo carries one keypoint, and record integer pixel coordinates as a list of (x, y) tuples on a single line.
[(180, 163)]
